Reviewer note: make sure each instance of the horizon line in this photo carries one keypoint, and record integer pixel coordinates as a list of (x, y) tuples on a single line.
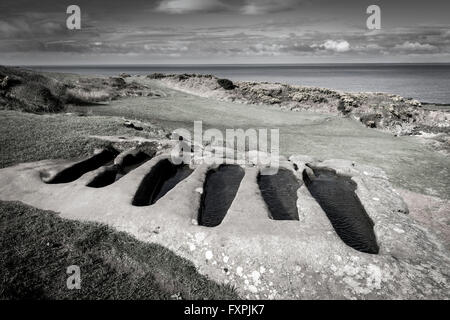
[(224, 64)]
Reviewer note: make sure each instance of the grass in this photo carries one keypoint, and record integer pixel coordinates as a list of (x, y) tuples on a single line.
[(35, 92), (37, 246), (29, 91), (28, 137)]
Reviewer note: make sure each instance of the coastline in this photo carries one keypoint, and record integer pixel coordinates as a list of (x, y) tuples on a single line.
[(383, 111), (426, 82)]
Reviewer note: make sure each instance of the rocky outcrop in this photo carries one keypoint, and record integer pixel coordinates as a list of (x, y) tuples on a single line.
[(259, 256)]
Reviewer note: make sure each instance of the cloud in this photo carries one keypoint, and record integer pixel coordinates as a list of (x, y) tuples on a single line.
[(19, 28), (297, 48), (336, 46), (190, 6), (11, 29), (255, 7), (142, 32), (247, 7), (415, 47)]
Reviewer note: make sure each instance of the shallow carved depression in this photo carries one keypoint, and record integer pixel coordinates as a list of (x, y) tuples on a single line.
[(160, 180), (75, 171), (336, 195), (112, 173), (219, 191), (279, 191)]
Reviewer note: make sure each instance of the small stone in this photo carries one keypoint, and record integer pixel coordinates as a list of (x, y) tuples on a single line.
[(255, 276), (200, 236), (398, 230), (199, 190), (208, 255), (176, 296), (252, 289)]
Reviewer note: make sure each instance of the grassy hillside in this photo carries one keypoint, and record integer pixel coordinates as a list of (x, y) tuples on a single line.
[(37, 246), (31, 91)]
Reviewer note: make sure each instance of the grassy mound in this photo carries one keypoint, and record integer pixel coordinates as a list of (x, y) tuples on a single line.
[(29, 91), (36, 97)]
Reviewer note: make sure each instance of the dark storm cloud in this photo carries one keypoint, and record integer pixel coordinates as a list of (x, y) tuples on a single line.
[(123, 8), (26, 27), (19, 7)]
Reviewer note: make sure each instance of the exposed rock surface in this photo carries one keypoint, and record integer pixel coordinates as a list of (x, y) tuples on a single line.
[(263, 258)]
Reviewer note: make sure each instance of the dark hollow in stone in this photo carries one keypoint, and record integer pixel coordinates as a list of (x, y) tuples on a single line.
[(336, 195), (161, 179), (279, 191), (114, 172), (219, 191), (77, 170), (105, 178)]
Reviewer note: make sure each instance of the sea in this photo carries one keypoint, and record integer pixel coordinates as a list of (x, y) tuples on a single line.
[(428, 83)]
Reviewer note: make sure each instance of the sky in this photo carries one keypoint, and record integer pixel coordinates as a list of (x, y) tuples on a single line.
[(223, 32)]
